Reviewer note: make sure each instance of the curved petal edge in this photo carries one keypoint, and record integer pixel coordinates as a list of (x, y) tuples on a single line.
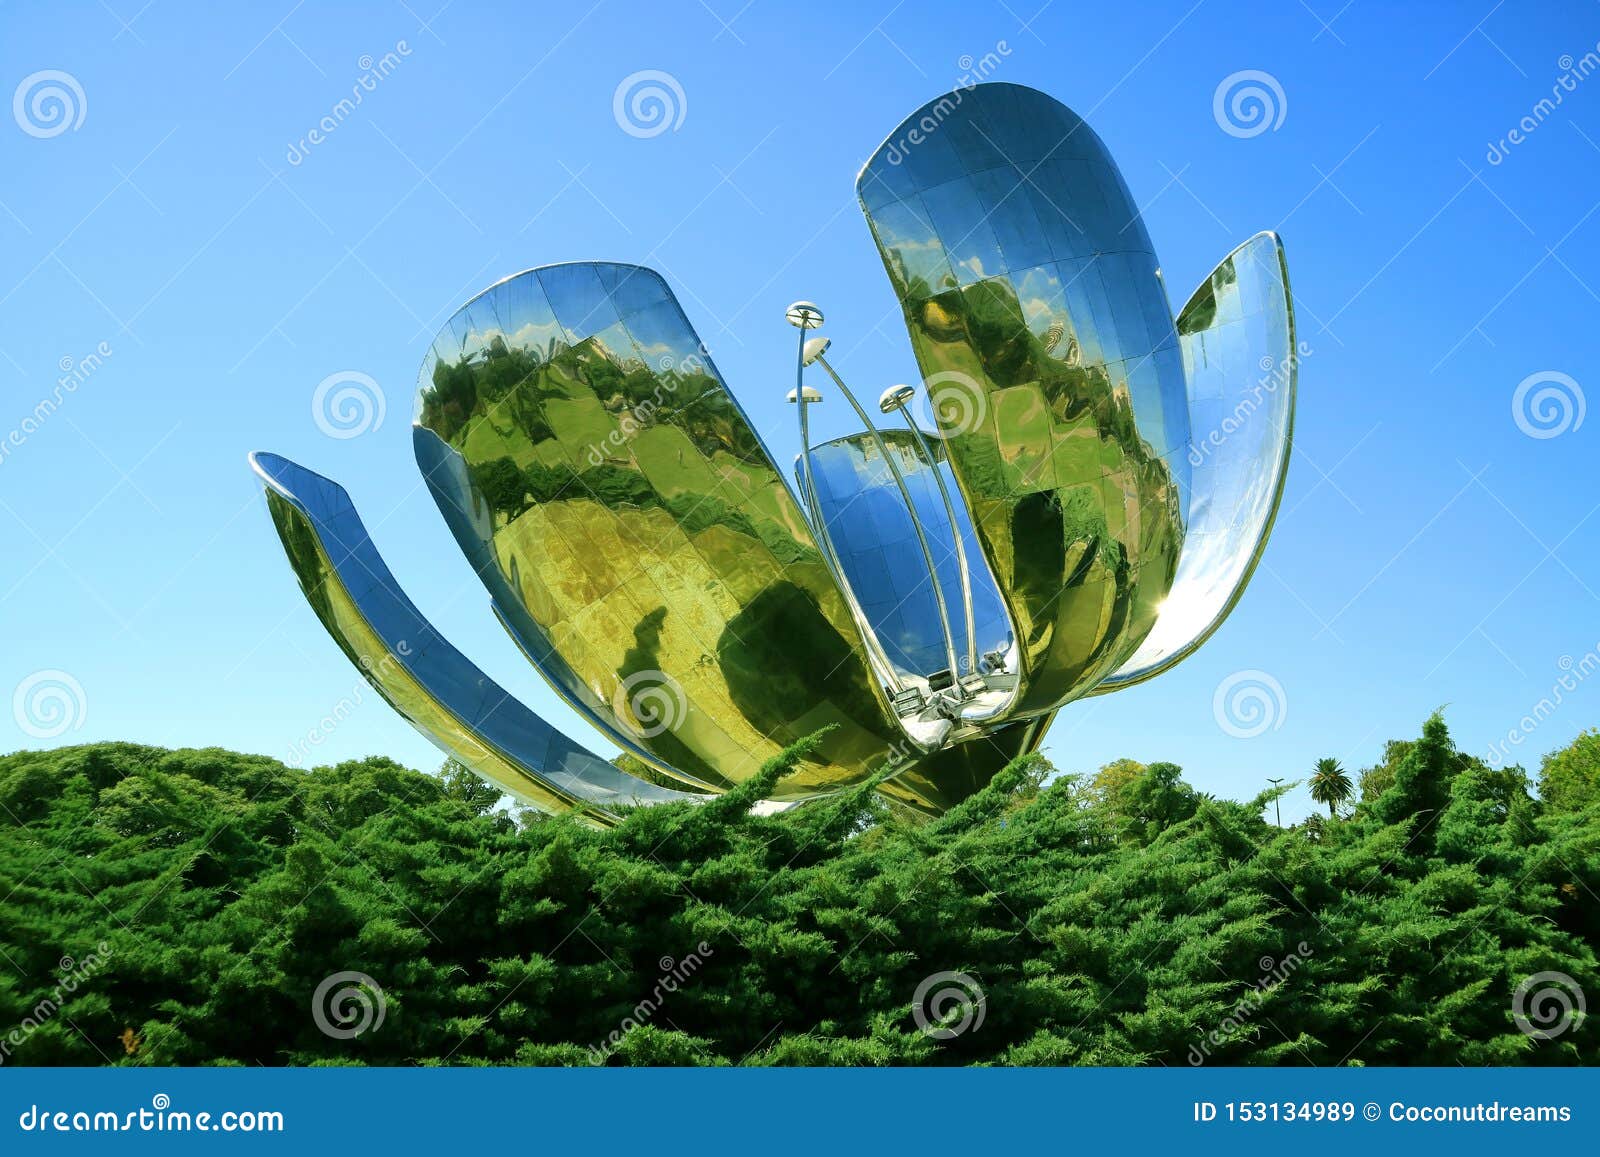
[(1242, 366), (417, 671)]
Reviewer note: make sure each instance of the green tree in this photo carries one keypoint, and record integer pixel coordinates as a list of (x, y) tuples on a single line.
[(1112, 781), (1569, 779), (471, 790), (1379, 778), (1422, 778), (203, 897), (500, 482), (1330, 784)]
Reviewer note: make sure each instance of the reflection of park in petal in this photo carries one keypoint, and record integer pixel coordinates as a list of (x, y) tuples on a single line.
[(1090, 492)]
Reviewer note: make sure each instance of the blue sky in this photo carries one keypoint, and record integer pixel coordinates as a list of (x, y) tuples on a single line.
[(1430, 552)]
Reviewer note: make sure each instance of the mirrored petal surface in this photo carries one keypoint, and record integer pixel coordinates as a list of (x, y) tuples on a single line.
[(1044, 336), (942, 779), (877, 549), (436, 688), (467, 516), (1237, 337), (636, 518)]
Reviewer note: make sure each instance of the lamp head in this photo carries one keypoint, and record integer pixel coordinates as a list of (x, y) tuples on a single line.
[(895, 398), (804, 315), (808, 394), (815, 348)]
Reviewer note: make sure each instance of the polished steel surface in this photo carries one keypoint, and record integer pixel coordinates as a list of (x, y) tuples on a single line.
[(446, 474), (872, 532), (1237, 337), (436, 688), (1038, 318), (937, 782), (952, 664), (1096, 495), (635, 516), (896, 400)]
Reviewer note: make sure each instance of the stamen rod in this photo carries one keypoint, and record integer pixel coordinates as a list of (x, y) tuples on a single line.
[(916, 523)]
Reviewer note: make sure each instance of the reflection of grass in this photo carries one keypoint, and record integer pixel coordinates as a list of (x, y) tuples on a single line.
[(484, 442), (579, 422), (642, 509), (661, 586), (672, 462)]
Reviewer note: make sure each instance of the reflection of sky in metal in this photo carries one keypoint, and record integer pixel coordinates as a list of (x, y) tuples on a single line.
[(1237, 335), (630, 527), (1036, 307), (877, 547)]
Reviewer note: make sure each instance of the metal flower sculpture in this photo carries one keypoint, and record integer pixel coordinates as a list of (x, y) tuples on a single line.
[(1097, 488)]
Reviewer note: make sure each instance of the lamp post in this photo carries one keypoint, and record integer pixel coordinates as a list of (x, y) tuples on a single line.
[(1276, 810), (805, 316)]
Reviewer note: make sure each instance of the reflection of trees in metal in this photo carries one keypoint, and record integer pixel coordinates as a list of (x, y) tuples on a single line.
[(640, 545)]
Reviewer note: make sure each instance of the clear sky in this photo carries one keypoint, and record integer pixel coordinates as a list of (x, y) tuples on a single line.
[(1429, 552)]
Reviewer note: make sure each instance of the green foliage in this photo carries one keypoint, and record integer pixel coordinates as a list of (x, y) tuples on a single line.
[(1569, 779), (203, 896), (1330, 784)]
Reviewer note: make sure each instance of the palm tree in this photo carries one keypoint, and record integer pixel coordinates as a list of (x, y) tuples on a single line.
[(1330, 784)]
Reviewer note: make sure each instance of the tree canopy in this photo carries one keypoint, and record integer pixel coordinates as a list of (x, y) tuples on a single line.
[(185, 907)]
